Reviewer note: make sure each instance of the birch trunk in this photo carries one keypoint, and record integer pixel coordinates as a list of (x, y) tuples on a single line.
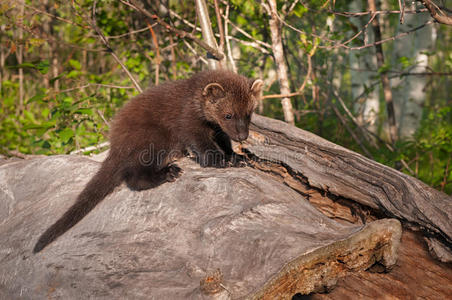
[(367, 105), (409, 93)]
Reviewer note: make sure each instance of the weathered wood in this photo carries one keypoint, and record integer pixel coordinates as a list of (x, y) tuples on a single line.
[(214, 233), (342, 172), (415, 276), (232, 233)]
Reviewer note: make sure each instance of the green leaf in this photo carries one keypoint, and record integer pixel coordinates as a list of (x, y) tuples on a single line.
[(52, 80), (299, 10), (66, 134), (43, 66), (37, 98), (86, 111), (75, 64)]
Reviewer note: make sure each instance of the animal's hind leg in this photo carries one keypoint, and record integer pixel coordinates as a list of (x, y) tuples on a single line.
[(146, 178)]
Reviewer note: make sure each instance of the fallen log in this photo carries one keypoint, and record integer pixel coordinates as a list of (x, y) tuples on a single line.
[(338, 171), (214, 233)]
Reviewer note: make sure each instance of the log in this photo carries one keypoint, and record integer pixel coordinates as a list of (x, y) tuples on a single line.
[(338, 171), (251, 232), (213, 234)]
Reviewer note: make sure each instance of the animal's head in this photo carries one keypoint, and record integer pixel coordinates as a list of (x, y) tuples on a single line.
[(230, 104)]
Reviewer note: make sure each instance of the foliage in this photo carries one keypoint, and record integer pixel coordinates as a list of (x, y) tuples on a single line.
[(72, 86)]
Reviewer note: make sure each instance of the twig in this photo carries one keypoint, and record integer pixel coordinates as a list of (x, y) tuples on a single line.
[(360, 32), (228, 44), (220, 25), (194, 52), (54, 17), (352, 133), (129, 33), (255, 42), (181, 33), (96, 84), (439, 17), (21, 155), (342, 45), (446, 174), (91, 148), (103, 117), (391, 38), (157, 55), (107, 44), (402, 11), (266, 45), (378, 12)]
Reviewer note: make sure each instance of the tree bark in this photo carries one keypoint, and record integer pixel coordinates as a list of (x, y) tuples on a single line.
[(387, 92), (367, 103), (344, 173), (409, 91), (281, 67), (20, 57), (207, 33)]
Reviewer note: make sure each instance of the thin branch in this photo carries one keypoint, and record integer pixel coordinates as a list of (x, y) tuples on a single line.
[(107, 44), (55, 17), (352, 133), (342, 45), (181, 33), (255, 42), (195, 53), (383, 40), (378, 12), (266, 45), (220, 25), (95, 84), (440, 17), (129, 33), (372, 17), (91, 148), (402, 11), (157, 55), (228, 44), (103, 117)]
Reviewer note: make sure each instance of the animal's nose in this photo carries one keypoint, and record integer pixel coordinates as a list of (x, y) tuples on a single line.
[(243, 136)]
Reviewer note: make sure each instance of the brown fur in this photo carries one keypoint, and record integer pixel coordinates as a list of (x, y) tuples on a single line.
[(159, 126)]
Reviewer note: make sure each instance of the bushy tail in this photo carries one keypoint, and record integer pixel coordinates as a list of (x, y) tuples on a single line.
[(102, 184)]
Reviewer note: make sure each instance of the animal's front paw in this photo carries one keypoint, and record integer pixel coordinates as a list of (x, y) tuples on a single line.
[(237, 161), (173, 172)]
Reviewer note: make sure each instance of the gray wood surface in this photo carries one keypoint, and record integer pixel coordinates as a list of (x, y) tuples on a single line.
[(345, 173), (213, 234)]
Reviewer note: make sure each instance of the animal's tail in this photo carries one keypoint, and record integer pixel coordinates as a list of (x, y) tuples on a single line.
[(102, 184)]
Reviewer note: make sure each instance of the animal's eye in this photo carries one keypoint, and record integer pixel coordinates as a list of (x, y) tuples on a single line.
[(228, 116)]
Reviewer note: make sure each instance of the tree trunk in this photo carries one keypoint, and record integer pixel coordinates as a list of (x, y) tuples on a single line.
[(278, 53), (409, 93), (207, 33), (387, 92), (20, 57), (343, 173), (362, 63)]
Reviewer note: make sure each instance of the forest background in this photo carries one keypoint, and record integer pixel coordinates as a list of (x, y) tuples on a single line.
[(372, 76)]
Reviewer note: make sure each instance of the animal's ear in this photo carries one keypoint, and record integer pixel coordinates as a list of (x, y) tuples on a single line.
[(256, 88), (213, 91)]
